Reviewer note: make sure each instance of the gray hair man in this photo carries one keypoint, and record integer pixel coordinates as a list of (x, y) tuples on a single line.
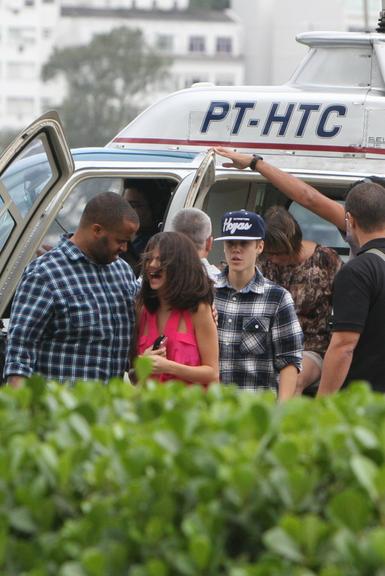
[(196, 224)]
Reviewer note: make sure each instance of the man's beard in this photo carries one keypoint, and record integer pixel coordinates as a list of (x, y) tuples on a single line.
[(100, 252)]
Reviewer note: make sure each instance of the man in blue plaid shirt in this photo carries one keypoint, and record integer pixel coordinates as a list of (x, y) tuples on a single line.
[(73, 313), (260, 338)]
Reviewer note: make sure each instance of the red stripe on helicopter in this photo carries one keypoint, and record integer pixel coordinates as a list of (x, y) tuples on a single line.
[(211, 143)]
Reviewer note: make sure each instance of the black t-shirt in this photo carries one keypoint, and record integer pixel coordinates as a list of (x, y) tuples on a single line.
[(359, 306)]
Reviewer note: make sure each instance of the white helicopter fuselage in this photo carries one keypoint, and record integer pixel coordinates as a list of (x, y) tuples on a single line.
[(333, 105)]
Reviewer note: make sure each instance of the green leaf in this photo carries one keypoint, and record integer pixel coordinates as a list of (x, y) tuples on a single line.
[(332, 571), (168, 440), (20, 519), (94, 562), (156, 567), (37, 385), (143, 368), (279, 542), (376, 544), (314, 532), (48, 454), (308, 531), (200, 550), (72, 569), (80, 425), (87, 411), (365, 472), (183, 564), (366, 437), (286, 452), (3, 541), (350, 508)]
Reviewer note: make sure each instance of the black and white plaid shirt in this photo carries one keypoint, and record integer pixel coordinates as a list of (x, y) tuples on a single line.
[(259, 333), (72, 319)]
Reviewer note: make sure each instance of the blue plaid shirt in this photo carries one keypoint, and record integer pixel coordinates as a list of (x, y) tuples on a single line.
[(259, 333), (72, 319)]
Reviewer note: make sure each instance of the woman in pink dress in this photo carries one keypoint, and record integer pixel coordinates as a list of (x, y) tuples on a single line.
[(175, 302)]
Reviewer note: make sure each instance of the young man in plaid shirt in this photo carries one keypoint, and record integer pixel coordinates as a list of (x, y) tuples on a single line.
[(260, 338)]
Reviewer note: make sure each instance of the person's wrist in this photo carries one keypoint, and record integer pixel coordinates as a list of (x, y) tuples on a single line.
[(253, 161)]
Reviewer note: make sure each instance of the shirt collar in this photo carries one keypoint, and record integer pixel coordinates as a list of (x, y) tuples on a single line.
[(256, 284), (71, 250), (375, 243)]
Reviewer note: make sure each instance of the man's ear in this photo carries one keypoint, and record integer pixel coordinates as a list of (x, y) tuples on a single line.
[(96, 229), (209, 243), (260, 246), (353, 222)]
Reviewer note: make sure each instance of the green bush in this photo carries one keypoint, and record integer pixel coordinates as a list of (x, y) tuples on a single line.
[(163, 480)]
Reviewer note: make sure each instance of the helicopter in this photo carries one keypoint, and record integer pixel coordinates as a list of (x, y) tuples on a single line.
[(334, 105)]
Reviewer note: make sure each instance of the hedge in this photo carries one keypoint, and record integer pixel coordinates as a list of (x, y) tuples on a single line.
[(164, 480)]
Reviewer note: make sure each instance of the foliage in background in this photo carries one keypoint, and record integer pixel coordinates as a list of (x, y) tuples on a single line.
[(104, 80), (210, 4), (175, 481)]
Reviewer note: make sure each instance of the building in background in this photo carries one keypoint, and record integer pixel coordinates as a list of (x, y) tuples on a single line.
[(252, 43), (27, 35), (270, 28), (361, 15), (271, 52), (204, 46)]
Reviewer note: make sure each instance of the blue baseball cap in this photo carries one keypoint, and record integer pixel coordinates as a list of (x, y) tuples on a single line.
[(242, 225)]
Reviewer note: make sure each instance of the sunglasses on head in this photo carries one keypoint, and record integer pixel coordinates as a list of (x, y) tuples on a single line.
[(367, 180)]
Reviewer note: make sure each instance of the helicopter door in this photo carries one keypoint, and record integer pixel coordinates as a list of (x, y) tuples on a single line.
[(32, 171)]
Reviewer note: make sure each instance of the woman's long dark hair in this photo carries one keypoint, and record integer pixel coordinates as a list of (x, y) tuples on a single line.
[(187, 283), (283, 233)]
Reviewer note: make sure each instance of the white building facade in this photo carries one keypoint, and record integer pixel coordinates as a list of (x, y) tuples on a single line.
[(361, 15), (271, 51), (270, 27), (253, 43), (204, 46), (27, 35)]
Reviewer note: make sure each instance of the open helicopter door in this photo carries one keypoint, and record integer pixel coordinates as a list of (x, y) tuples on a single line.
[(203, 180), (32, 170)]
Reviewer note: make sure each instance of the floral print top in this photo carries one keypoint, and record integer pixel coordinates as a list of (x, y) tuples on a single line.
[(310, 284)]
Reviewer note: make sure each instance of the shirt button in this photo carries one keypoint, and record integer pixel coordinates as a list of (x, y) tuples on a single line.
[(256, 326), (234, 299), (229, 320)]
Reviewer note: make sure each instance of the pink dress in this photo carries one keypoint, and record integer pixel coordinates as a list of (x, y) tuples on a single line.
[(182, 347)]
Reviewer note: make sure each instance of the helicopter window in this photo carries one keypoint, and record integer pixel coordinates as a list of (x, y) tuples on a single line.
[(158, 192), (28, 175), (378, 72), (69, 216), (319, 230), (227, 195), (234, 194), (377, 81), (337, 66), (6, 224)]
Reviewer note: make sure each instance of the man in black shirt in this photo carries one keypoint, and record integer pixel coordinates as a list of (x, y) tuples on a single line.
[(357, 347)]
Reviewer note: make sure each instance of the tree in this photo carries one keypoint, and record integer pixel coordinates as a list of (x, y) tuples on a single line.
[(104, 81), (210, 4)]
